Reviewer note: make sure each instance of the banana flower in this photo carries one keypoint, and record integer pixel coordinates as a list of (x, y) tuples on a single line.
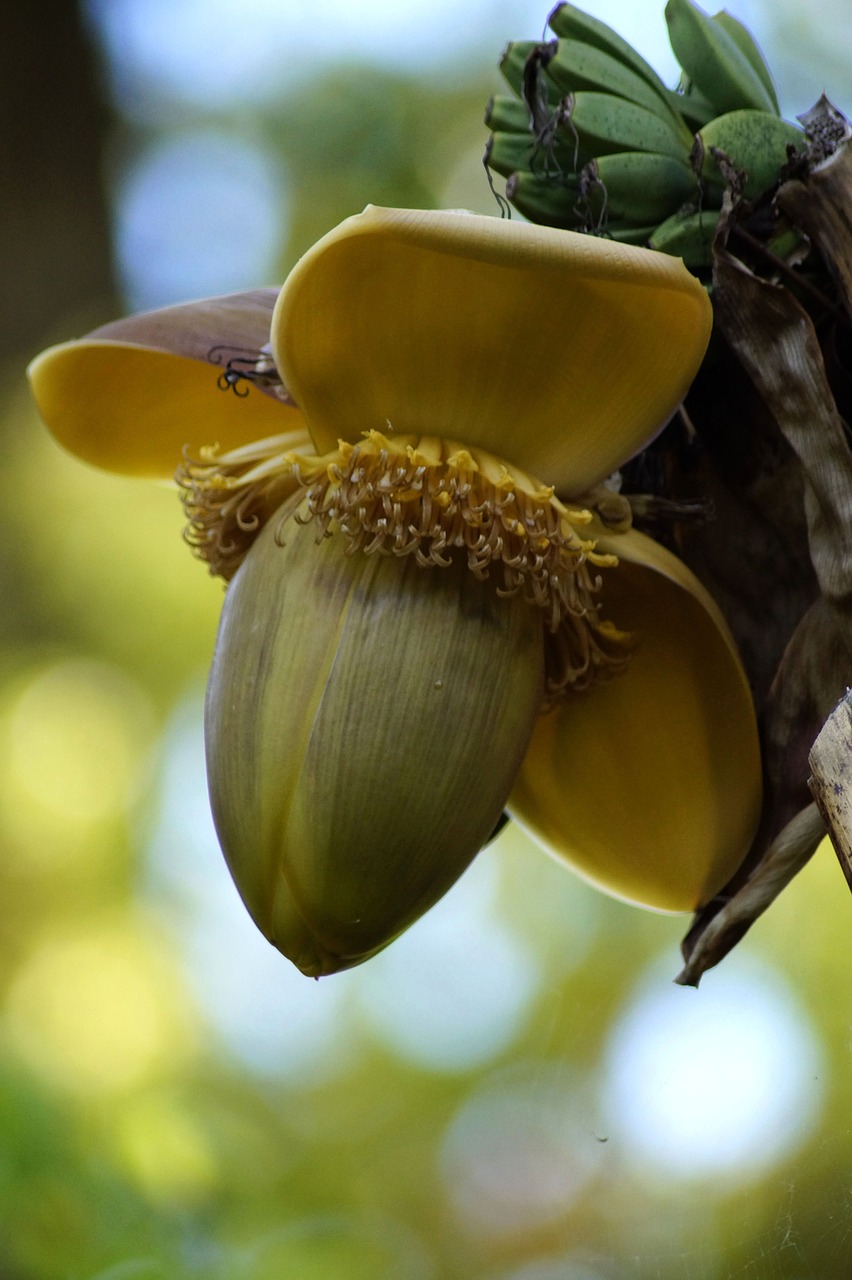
[(436, 607)]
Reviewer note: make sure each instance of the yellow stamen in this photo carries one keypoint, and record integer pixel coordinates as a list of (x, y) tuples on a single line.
[(229, 497), (429, 498)]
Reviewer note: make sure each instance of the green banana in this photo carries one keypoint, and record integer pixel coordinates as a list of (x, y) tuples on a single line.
[(638, 187), (750, 50), (603, 123), (694, 107), (628, 234), (755, 142), (547, 201), (688, 236), (586, 126), (513, 65), (576, 66), (631, 189), (556, 204), (506, 153), (507, 115), (712, 59), (570, 23)]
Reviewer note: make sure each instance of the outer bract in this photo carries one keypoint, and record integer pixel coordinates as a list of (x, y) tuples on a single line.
[(365, 722)]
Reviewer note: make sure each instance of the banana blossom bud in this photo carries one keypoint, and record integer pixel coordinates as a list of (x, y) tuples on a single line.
[(436, 609)]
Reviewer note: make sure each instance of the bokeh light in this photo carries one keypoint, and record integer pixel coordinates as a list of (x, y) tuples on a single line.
[(98, 1007), (520, 1150), (79, 740), (337, 1247), (453, 991), (171, 245), (164, 1149), (726, 1082)]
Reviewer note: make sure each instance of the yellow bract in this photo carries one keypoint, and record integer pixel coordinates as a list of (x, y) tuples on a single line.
[(664, 763), (562, 353), (124, 407), (133, 394)]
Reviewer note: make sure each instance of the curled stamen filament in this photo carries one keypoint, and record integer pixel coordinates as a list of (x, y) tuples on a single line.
[(428, 499)]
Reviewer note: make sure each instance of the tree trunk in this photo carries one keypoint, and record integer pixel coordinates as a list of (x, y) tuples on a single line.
[(55, 257)]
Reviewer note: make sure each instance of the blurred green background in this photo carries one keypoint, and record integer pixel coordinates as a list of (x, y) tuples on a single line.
[(515, 1090)]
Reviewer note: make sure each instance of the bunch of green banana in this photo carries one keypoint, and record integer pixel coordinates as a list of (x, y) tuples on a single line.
[(593, 140)]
